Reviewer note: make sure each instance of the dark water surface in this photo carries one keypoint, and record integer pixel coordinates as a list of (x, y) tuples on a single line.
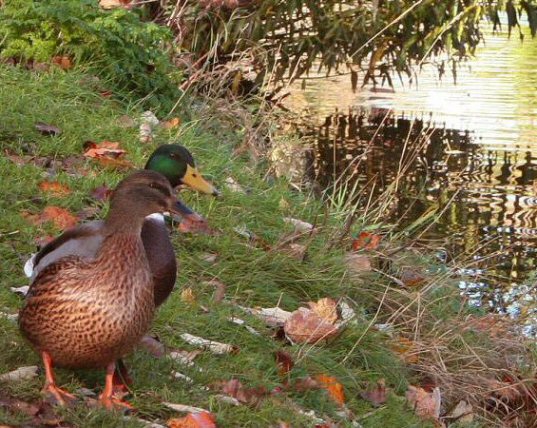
[(470, 148)]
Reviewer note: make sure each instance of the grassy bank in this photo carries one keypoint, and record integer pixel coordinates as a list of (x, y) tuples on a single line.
[(430, 335)]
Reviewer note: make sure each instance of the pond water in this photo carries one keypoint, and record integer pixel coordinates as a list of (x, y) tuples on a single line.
[(469, 149)]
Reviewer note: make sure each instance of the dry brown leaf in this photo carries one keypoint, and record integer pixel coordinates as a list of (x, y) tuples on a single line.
[(112, 4), (274, 317), (64, 62), (377, 395), (47, 129), (406, 348), (154, 346), (211, 345), (105, 149), (170, 124), (187, 295), (101, 193), (425, 404), (326, 308), (220, 289), (193, 420), (54, 188), (463, 412), (412, 277), (334, 388), (358, 264), (285, 362), (306, 326), (251, 396), (60, 217), (367, 241)]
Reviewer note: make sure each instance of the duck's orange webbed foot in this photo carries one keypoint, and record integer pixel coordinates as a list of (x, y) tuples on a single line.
[(121, 380), (108, 398), (58, 395)]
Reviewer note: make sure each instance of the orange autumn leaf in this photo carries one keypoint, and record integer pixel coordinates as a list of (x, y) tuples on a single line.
[(64, 62), (334, 388), (425, 404), (107, 149), (367, 241), (412, 277), (306, 326), (60, 217), (406, 348), (54, 188), (326, 308), (120, 164), (172, 123), (193, 420), (285, 363)]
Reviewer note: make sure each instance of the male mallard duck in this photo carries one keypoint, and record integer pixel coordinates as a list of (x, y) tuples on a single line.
[(87, 314), (176, 163)]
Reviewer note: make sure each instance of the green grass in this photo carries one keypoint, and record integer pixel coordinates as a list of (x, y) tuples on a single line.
[(254, 277)]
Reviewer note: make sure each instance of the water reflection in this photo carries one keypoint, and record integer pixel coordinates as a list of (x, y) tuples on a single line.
[(489, 224)]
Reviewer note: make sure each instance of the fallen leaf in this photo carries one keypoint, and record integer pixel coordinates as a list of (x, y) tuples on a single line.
[(64, 62), (250, 396), (220, 289), (106, 94), (463, 412), (334, 388), (412, 277), (107, 149), (154, 346), (125, 121), (60, 217), (406, 348), (111, 4), (193, 420), (187, 295), (357, 264), (326, 308), (305, 384), (54, 188), (300, 226), (209, 257), (172, 123), (367, 241), (118, 164), (184, 408), (47, 129), (22, 373), (101, 193), (305, 326), (285, 362), (425, 404), (376, 395), (232, 185)]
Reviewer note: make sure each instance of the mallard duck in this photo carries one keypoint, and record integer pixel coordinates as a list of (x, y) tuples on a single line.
[(176, 163), (87, 314)]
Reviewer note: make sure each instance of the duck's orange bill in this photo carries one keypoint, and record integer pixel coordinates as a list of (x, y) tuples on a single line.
[(195, 180)]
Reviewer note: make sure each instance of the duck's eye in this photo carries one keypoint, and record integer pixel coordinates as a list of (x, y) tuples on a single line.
[(194, 175)]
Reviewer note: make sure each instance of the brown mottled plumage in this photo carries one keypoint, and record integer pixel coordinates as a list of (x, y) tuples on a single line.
[(90, 313)]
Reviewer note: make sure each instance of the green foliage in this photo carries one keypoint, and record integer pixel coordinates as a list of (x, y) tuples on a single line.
[(376, 38), (116, 45)]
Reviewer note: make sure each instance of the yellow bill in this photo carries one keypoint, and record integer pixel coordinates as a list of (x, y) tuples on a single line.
[(195, 180)]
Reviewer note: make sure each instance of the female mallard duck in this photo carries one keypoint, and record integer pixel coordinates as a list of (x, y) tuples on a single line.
[(81, 313), (174, 162)]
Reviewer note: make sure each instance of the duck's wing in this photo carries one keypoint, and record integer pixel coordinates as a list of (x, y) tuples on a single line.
[(83, 241)]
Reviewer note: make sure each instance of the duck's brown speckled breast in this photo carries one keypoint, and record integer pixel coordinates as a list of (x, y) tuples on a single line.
[(89, 314)]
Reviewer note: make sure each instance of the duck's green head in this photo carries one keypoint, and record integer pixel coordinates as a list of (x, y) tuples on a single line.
[(176, 163)]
